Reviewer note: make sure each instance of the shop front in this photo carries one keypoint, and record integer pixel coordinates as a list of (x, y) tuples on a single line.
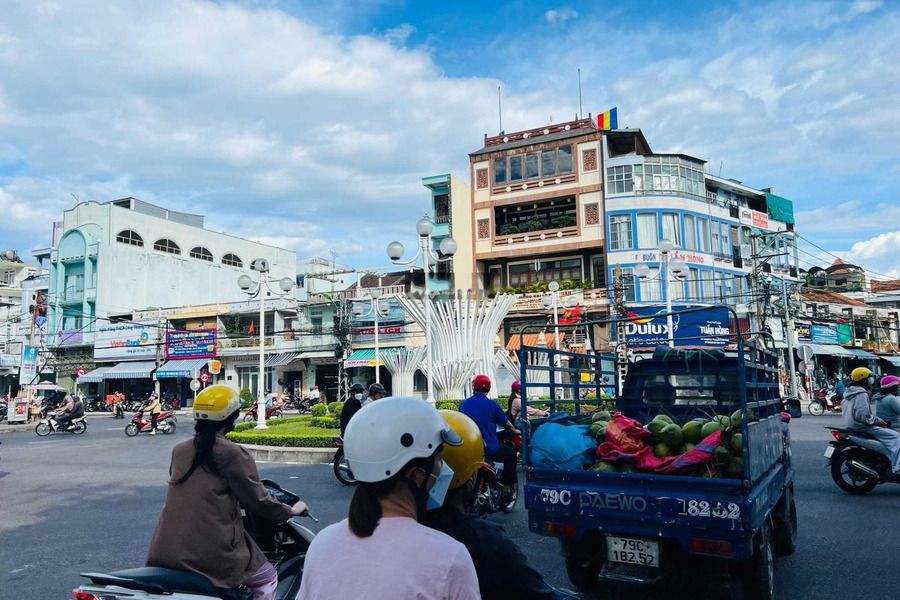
[(133, 378), (175, 377)]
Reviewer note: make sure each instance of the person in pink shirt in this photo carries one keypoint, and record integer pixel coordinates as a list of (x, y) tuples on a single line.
[(515, 405)]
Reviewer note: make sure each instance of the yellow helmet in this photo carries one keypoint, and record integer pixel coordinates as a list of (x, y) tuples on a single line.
[(216, 403), (467, 458), (860, 373)]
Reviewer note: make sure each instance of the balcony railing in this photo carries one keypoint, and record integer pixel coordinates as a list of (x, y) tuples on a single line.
[(73, 295), (249, 342), (363, 293), (439, 219), (723, 256), (547, 235)]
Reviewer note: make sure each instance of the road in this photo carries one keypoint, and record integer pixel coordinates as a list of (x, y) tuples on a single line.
[(71, 504)]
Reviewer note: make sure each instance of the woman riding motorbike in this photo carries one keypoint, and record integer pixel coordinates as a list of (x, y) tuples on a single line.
[(200, 528), (887, 401)]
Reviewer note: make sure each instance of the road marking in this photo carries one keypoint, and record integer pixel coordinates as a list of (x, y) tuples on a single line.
[(114, 429)]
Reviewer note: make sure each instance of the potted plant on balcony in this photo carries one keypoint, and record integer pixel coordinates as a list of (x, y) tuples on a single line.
[(533, 224), (562, 221), (869, 345), (509, 229)]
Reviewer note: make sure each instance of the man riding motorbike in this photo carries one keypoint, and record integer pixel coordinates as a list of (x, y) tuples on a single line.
[(73, 409), (887, 401), (488, 415), (858, 415), (503, 571), (352, 406), (837, 386)]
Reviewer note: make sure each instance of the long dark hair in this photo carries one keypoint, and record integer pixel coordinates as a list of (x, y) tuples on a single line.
[(365, 508), (509, 414), (205, 433)]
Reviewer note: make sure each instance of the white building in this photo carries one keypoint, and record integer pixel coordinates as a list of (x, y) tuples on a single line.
[(15, 318)]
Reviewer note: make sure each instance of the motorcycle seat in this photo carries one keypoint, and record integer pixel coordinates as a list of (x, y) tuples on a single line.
[(170, 580), (871, 444)]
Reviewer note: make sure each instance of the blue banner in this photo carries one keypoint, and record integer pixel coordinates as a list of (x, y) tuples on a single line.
[(647, 326), (822, 334), (199, 343)]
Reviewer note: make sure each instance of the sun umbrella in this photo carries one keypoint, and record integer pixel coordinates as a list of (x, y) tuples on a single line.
[(49, 386)]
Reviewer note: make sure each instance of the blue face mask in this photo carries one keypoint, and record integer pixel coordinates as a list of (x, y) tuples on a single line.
[(439, 491)]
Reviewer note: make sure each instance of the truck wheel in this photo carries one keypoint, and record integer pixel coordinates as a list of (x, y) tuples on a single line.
[(785, 530), (582, 572), (759, 571), (848, 480)]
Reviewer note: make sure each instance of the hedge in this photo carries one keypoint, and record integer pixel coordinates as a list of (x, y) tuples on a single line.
[(335, 408), (293, 432), (319, 410), (329, 422)]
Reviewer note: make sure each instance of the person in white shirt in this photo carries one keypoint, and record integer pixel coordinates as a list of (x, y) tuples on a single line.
[(395, 450)]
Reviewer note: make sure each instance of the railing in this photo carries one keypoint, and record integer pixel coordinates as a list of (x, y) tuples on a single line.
[(363, 293), (73, 295), (249, 342), (714, 196), (439, 219), (724, 256), (546, 235)]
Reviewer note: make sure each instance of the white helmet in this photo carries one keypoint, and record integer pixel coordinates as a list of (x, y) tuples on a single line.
[(384, 436)]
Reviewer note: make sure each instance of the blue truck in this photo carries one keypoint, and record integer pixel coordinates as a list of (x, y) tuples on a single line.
[(639, 527)]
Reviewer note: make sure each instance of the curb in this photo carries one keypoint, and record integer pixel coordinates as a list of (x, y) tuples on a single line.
[(19, 427), (300, 456)]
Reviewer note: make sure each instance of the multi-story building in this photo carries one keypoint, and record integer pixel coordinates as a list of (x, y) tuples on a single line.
[(15, 316), (452, 216), (116, 257)]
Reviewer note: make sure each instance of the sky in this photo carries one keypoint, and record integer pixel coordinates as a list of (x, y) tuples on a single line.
[(310, 125)]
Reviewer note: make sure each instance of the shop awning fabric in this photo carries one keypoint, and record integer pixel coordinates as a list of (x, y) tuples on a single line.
[(894, 360), (365, 357), (830, 350), (180, 368), (861, 353), (95, 376), (139, 369), (277, 360)]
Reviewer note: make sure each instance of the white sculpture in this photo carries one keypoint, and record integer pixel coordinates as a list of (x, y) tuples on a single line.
[(402, 363)]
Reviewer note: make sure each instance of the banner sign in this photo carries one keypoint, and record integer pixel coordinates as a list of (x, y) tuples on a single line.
[(196, 343), (68, 336), (754, 218), (10, 360), (387, 332), (126, 341), (394, 313), (647, 326), (28, 368), (581, 300), (822, 334), (804, 332)]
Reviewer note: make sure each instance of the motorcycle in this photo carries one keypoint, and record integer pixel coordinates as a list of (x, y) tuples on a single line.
[(165, 422), (340, 465), (825, 401), (271, 413), (284, 544), (50, 425), (489, 495), (303, 405), (118, 410), (858, 461)]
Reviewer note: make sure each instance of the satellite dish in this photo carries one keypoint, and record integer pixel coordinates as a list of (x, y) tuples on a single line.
[(9, 255)]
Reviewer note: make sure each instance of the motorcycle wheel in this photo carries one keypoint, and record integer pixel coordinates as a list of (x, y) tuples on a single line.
[(131, 430), (816, 408), (342, 468), (80, 427), (511, 505), (248, 418), (42, 429), (169, 427), (89, 407), (845, 478), (277, 415)]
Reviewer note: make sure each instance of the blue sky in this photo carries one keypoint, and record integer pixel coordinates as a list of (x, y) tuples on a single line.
[(311, 124)]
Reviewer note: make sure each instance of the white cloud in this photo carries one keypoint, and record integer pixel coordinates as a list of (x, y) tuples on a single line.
[(560, 16), (878, 254)]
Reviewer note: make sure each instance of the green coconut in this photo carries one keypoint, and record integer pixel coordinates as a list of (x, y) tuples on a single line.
[(601, 415), (736, 418), (604, 466), (655, 426), (692, 431), (627, 467), (736, 445), (735, 467), (710, 428), (722, 456), (723, 420), (688, 446), (671, 435), (662, 417), (662, 451), (598, 430)]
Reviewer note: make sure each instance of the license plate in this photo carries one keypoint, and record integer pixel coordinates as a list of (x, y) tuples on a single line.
[(829, 451), (632, 551)]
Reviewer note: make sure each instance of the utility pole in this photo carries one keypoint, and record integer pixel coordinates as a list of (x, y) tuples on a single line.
[(789, 336), (160, 344), (620, 313)]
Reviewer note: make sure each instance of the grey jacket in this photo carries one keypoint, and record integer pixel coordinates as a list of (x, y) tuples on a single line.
[(856, 410)]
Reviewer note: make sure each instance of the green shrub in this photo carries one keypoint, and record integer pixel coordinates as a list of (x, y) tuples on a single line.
[(325, 422), (447, 404), (246, 398), (289, 440), (292, 432), (319, 410), (509, 229), (335, 408)]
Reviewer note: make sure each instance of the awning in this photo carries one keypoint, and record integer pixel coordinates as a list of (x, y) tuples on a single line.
[(318, 354), (838, 350), (139, 369), (861, 353), (283, 358), (532, 339), (95, 376), (365, 357), (894, 360), (180, 368)]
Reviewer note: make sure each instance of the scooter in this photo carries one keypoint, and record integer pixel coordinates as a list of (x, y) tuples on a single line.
[(489, 496), (50, 425), (858, 461), (284, 544), (271, 413), (165, 422), (825, 401), (340, 465), (118, 410)]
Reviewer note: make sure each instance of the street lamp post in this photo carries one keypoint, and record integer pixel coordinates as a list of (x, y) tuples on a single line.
[(448, 248), (667, 265), (259, 288), (378, 309)]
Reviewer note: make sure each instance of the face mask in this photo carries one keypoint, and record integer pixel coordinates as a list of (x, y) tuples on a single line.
[(439, 491), (357, 396)]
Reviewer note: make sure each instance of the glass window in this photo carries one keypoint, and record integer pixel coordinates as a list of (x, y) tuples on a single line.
[(690, 232), (619, 180), (620, 236), (671, 229), (130, 237), (598, 271), (707, 279), (516, 172), (651, 287), (738, 289), (648, 230), (628, 283), (676, 288), (704, 235), (201, 253), (532, 165), (694, 284), (548, 163), (232, 260), (499, 171), (566, 164), (167, 246)]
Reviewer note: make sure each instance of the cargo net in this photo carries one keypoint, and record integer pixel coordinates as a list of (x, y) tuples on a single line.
[(692, 412)]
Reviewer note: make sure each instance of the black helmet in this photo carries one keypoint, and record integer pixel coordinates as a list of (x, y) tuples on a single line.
[(377, 388), (357, 387)]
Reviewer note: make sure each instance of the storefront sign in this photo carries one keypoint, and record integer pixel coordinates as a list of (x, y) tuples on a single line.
[(28, 368), (754, 218), (386, 332), (804, 332), (10, 360), (647, 326), (126, 341), (68, 336), (197, 343), (692, 258), (822, 334), (581, 301), (322, 361)]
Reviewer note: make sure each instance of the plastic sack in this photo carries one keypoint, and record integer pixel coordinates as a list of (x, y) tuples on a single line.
[(627, 434), (557, 446)]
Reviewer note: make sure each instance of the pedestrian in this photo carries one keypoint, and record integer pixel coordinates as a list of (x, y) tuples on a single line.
[(153, 407)]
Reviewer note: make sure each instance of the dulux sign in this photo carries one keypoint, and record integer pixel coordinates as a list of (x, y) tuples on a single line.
[(647, 326)]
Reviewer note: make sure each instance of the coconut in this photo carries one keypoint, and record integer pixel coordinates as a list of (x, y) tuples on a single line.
[(688, 446), (655, 426), (627, 467), (662, 417), (722, 456), (662, 451), (736, 419), (598, 431), (710, 428), (735, 467), (736, 445), (601, 415), (692, 431), (723, 420), (671, 435), (604, 466)]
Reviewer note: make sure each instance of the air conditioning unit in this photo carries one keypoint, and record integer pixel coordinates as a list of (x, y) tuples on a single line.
[(766, 267)]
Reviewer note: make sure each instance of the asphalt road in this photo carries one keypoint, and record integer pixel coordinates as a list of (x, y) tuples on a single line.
[(70, 504)]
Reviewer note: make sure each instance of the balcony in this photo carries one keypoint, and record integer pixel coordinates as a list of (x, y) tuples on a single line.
[(354, 293), (72, 295), (441, 219), (546, 235), (224, 343), (90, 294)]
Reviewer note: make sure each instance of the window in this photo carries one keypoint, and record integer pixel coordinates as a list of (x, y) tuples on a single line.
[(651, 287), (598, 271), (670, 175), (619, 180), (201, 253), (167, 246), (671, 229), (707, 280), (516, 172), (738, 289), (690, 232), (704, 235), (676, 288), (719, 283), (499, 171), (554, 213), (648, 230), (620, 237), (628, 278), (694, 284), (534, 165), (566, 164), (548, 163), (554, 270), (442, 208), (130, 237), (232, 260)]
